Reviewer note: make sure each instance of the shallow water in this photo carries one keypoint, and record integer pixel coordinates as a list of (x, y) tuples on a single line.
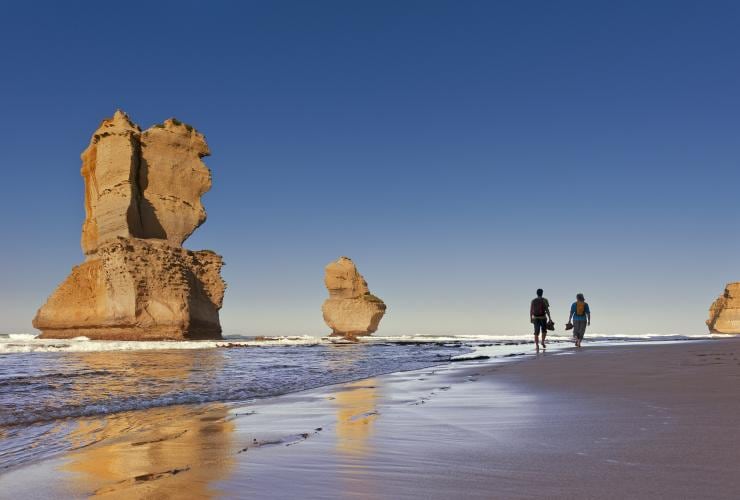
[(45, 386), (50, 386)]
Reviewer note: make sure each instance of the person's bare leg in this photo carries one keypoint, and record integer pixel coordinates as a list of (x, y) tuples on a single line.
[(543, 340), (537, 341)]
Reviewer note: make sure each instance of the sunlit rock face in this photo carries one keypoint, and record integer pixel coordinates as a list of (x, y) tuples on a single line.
[(172, 180), (110, 166), (724, 313), (142, 200), (351, 310)]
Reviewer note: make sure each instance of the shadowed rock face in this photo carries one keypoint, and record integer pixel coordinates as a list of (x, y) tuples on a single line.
[(142, 200), (351, 310), (724, 313)]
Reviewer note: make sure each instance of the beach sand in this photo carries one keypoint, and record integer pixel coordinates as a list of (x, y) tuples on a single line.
[(630, 421)]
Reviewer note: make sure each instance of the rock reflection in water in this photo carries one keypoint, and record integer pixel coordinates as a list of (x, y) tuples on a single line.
[(140, 376), (165, 452)]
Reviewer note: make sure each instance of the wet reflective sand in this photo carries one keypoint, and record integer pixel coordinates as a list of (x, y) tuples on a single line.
[(634, 422), (356, 414), (170, 454), (44, 397)]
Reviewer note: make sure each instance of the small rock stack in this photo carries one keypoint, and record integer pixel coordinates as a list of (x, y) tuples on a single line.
[(724, 313), (351, 310)]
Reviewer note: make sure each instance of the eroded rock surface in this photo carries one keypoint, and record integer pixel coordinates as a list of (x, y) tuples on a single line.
[(724, 313), (173, 178), (351, 310), (142, 200), (137, 289), (143, 184), (110, 167)]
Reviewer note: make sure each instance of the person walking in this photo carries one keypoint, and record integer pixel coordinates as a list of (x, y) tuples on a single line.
[(539, 314), (580, 313)]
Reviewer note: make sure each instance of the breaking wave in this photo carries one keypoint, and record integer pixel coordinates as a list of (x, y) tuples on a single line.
[(29, 343)]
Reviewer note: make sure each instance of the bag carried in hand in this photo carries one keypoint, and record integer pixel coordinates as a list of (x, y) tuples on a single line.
[(551, 325), (569, 326)]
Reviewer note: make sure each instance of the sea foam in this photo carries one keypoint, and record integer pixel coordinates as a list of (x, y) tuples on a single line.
[(29, 343), (26, 343)]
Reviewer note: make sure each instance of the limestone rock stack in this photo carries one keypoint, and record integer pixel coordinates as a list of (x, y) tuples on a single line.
[(351, 310), (173, 180), (724, 313), (142, 200)]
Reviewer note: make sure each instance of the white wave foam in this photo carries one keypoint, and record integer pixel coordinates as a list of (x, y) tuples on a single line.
[(560, 335), (28, 343), (22, 336)]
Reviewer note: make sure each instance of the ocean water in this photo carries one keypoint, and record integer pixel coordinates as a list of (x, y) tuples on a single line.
[(46, 386)]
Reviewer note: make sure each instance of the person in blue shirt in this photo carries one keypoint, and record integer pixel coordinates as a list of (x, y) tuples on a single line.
[(580, 313)]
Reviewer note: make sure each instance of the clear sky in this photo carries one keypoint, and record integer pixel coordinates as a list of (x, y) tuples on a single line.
[(462, 153)]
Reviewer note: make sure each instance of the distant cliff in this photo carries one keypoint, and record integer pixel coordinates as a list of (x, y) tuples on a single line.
[(142, 201)]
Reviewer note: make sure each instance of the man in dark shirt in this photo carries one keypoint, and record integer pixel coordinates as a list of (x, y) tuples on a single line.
[(539, 314)]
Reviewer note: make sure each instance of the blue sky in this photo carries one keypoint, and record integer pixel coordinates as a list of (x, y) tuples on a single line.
[(462, 153)]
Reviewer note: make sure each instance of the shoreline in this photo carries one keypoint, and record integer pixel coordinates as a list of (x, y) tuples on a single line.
[(565, 423), (24, 343), (503, 351)]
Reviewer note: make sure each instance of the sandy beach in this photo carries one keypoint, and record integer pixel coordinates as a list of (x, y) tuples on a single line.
[(349, 250), (630, 421)]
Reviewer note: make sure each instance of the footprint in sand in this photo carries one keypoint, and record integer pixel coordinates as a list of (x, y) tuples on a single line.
[(159, 440), (287, 441), (151, 476)]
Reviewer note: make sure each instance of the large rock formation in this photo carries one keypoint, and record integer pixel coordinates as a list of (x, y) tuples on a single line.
[(351, 310), (142, 200), (724, 313)]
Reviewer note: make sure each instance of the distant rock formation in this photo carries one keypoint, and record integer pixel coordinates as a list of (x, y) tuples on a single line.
[(351, 310), (724, 313), (142, 200)]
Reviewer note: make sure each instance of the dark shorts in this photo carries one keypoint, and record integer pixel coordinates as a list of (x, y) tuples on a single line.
[(540, 324)]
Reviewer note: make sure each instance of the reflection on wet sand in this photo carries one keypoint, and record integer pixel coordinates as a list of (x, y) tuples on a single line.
[(356, 413), (355, 403), (169, 452), (163, 453)]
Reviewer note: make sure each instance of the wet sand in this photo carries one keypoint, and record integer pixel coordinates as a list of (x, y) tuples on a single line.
[(648, 421)]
